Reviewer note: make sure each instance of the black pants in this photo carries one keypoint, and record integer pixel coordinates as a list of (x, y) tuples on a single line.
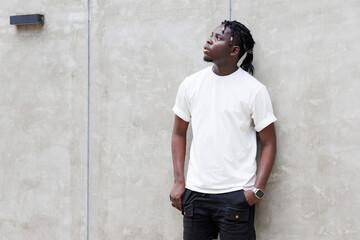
[(207, 215)]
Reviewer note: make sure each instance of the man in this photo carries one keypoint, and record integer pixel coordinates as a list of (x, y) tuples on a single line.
[(226, 107)]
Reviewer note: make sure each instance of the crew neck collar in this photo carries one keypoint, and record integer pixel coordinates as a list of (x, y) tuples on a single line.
[(225, 76)]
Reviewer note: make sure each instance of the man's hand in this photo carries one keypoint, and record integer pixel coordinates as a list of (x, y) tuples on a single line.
[(250, 197), (176, 194)]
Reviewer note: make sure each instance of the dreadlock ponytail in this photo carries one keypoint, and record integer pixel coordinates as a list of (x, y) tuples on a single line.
[(247, 63), (241, 36)]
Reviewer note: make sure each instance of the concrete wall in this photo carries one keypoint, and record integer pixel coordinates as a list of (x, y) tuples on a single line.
[(43, 115), (306, 53)]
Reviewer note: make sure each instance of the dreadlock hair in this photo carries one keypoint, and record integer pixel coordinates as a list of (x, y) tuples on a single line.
[(241, 36)]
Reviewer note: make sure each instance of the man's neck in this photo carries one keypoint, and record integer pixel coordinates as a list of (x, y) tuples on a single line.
[(223, 70)]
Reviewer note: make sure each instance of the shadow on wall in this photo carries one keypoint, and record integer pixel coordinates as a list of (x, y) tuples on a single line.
[(30, 29)]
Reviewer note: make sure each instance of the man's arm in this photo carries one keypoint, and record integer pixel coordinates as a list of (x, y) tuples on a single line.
[(178, 147), (268, 141)]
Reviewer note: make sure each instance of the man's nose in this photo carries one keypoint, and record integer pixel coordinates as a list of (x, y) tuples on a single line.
[(209, 41)]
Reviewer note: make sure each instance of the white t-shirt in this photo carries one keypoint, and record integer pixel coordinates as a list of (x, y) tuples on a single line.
[(225, 113)]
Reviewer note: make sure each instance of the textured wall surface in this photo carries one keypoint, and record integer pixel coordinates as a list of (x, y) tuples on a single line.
[(43, 122), (306, 53), (141, 52)]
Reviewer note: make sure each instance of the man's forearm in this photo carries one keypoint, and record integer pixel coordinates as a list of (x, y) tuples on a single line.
[(178, 149), (265, 165), (178, 146), (268, 141)]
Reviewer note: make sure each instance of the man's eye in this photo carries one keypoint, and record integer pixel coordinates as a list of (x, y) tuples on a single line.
[(218, 38)]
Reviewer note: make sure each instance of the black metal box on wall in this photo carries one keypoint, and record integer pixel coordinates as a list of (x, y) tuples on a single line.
[(27, 19)]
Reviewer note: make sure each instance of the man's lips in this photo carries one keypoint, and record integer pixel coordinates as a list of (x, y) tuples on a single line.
[(206, 49)]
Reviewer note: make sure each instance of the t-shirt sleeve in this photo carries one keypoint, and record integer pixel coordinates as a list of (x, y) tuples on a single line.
[(262, 111), (182, 103)]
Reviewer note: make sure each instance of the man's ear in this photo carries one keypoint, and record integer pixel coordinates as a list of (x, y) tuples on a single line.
[(234, 50)]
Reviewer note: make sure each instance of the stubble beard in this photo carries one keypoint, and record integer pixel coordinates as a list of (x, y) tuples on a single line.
[(207, 59)]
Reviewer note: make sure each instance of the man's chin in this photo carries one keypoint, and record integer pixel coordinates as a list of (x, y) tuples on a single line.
[(207, 59)]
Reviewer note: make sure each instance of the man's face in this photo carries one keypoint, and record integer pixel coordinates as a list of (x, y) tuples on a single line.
[(217, 47)]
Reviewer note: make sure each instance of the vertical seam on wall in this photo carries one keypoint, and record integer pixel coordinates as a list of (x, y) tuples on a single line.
[(231, 10), (88, 131)]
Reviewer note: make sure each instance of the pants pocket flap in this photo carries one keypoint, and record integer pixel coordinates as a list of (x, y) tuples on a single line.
[(238, 214), (188, 210)]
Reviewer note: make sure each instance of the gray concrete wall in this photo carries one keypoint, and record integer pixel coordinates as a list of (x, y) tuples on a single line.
[(43, 115), (306, 53), (141, 52)]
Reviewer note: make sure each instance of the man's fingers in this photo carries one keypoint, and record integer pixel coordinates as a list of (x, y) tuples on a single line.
[(176, 203), (176, 195), (179, 204)]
